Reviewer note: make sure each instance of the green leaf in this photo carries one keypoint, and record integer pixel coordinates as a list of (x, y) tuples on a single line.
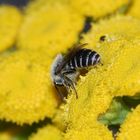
[(116, 113)]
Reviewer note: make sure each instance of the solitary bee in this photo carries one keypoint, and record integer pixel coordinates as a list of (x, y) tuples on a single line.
[(66, 68)]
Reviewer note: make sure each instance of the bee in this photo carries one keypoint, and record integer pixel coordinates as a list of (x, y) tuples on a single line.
[(66, 68)]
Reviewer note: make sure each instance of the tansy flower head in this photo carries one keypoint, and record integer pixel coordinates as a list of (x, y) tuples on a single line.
[(83, 113), (35, 5), (51, 27), (29, 96), (119, 45), (49, 132), (47, 28), (114, 78), (98, 8), (10, 20)]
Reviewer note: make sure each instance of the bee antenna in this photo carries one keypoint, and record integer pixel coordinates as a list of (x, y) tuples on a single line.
[(76, 93), (73, 87)]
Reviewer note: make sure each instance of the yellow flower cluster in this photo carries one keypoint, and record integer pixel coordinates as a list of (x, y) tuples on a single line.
[(28, 91), (116, 50), (46, 29), (27, 95), (49, 132), (10, 21), (116, 77), (35, 5), (95, 9)]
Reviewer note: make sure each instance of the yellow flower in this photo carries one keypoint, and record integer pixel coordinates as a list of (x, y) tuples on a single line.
[(131, 127), (82, 114), (49, 132), (97, 8), (35, 5), (82, 7), (51, 27), (26, 94), (51, 30), (121, 40), (10, 20), (119, 52)]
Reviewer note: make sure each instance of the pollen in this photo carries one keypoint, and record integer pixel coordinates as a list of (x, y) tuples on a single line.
[(82, 114)]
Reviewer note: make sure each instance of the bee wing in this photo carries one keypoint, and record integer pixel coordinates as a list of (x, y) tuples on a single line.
[(71, 53)]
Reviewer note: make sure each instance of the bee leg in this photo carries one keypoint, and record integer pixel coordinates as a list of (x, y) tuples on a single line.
[(59, 92), (69, 83), (73, 87)]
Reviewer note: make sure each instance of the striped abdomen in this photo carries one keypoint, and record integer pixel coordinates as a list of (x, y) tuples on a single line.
[(84, 58)]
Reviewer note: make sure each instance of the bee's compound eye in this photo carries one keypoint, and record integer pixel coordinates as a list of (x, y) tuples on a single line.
[(102, 38), (58, 80)]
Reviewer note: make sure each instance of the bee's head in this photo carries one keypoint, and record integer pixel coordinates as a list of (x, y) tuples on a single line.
[(55, 67)]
